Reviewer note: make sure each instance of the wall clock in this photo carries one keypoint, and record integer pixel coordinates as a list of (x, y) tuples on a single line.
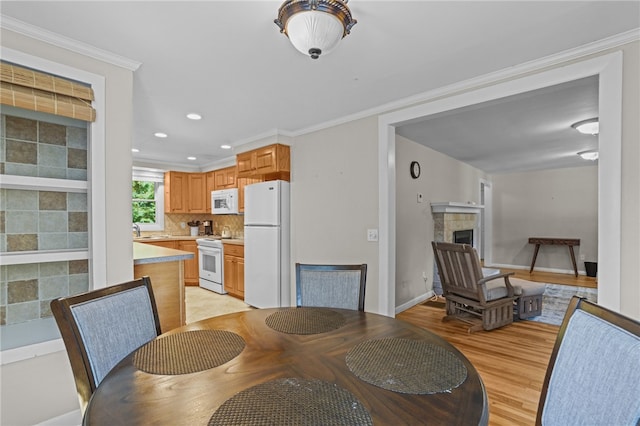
[(414, 169)]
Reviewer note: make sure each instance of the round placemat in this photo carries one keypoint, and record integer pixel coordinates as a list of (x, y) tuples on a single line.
[(406, 366), (188, 352), (292, 401), (305, 320)]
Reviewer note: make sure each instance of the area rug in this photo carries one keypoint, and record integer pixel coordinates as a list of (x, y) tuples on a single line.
[(555, 301)]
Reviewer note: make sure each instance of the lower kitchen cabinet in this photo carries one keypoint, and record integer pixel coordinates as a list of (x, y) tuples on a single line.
[(234, 270), (191, 269)]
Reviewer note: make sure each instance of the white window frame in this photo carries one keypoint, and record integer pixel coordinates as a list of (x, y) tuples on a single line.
[(96, 190), (157, 177)]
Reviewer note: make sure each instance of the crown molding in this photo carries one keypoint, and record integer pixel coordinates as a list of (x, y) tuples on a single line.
[(536, 65), (58, 40)]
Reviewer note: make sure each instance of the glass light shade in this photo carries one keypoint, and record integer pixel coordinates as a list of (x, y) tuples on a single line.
[(588, 127), (314, 30), (589, 155)]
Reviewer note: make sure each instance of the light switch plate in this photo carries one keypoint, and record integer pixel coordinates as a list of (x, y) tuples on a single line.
[(372, 235)]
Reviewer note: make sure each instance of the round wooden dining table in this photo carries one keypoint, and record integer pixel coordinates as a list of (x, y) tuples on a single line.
[(267, 347)]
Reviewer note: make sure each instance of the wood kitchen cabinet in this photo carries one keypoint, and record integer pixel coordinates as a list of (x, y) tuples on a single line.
[(225, 178), (176, 188), (269, 163), (242, 182), (191, 267), (166, 244), (185, 192), (234, 269), (196, 202)]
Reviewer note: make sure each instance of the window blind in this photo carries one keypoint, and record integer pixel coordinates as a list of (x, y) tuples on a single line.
[(36, 91)]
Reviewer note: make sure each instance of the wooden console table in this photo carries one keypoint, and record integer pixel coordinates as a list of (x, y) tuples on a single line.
[(570, 242)]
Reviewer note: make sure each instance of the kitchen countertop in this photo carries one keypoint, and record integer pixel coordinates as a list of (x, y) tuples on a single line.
[(149, 239), (148, 253)]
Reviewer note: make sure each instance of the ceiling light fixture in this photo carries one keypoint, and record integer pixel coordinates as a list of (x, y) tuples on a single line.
[(135, 150), (590, 126), (589, 155), (315, 27), (191, 158), (225, 146), (160, 135), (194, 116)]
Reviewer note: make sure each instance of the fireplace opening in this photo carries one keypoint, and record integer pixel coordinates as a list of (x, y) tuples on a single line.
[(464, 236)]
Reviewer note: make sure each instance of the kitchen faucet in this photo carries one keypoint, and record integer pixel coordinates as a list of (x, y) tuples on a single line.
[(136, 227)]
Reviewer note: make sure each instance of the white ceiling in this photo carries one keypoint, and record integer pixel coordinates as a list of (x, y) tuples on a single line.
[(227, 61)]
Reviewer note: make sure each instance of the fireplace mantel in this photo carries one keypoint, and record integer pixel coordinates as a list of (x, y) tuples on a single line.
[(456, 207)]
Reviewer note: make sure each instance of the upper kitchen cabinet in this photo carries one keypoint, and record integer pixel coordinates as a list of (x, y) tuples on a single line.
[(176, 188), (268, 163), (185, 192), (225, 178), (197, 202)]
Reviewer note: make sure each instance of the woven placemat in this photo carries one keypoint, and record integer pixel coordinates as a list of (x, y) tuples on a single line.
[(188, 352), (305, 320), (292, 401), (406, 366)]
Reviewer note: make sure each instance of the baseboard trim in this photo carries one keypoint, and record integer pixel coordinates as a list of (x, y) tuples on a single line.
[(71, 418), (413, 302)]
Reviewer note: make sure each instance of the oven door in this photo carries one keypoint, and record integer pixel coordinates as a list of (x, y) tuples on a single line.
[(210, 263)]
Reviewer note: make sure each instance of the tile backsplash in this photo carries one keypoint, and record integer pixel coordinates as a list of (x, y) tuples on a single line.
[(173, 224)]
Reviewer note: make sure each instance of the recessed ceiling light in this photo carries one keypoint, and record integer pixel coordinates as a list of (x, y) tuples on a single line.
[(191, 158), (225, 146), (160, 135), (135, 150), (194, 116)]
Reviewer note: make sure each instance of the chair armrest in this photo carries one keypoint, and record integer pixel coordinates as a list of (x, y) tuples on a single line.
[(505, 275)]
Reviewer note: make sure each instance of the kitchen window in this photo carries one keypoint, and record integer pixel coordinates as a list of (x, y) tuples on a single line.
[(147, 195)]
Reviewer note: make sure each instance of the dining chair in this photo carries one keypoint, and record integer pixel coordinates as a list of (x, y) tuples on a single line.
[(101, 327), (332, 286), (593, 376)]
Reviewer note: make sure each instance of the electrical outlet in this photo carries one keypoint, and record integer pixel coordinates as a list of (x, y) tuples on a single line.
[(424, 276), (183, 225), (582, 257), (372, 235)]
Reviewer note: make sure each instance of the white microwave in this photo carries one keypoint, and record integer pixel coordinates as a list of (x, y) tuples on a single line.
[(224, 201)]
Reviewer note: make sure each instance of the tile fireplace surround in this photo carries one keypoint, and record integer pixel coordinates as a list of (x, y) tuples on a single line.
[(451, 216)]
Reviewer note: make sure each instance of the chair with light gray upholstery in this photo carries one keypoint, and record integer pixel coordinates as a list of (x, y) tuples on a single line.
[(101, 327), (331, 286), (483, 302), (593, 377)]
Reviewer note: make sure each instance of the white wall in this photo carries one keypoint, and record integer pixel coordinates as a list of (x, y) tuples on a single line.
[(630, 216), (549, 203), (41, 388), (334, 199), (442, 179)]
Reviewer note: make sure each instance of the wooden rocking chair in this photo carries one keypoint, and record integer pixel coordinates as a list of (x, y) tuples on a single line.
[(484, 302)]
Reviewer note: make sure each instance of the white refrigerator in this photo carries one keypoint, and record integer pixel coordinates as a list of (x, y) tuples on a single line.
[(267, 282)]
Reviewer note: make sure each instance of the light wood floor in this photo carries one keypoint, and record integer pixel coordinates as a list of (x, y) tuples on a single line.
[(552, 278), (511, 360)]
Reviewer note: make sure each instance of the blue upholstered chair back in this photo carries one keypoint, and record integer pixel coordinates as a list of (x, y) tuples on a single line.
[(331, 286), (101, 327), (113, 326), (594, 378)]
